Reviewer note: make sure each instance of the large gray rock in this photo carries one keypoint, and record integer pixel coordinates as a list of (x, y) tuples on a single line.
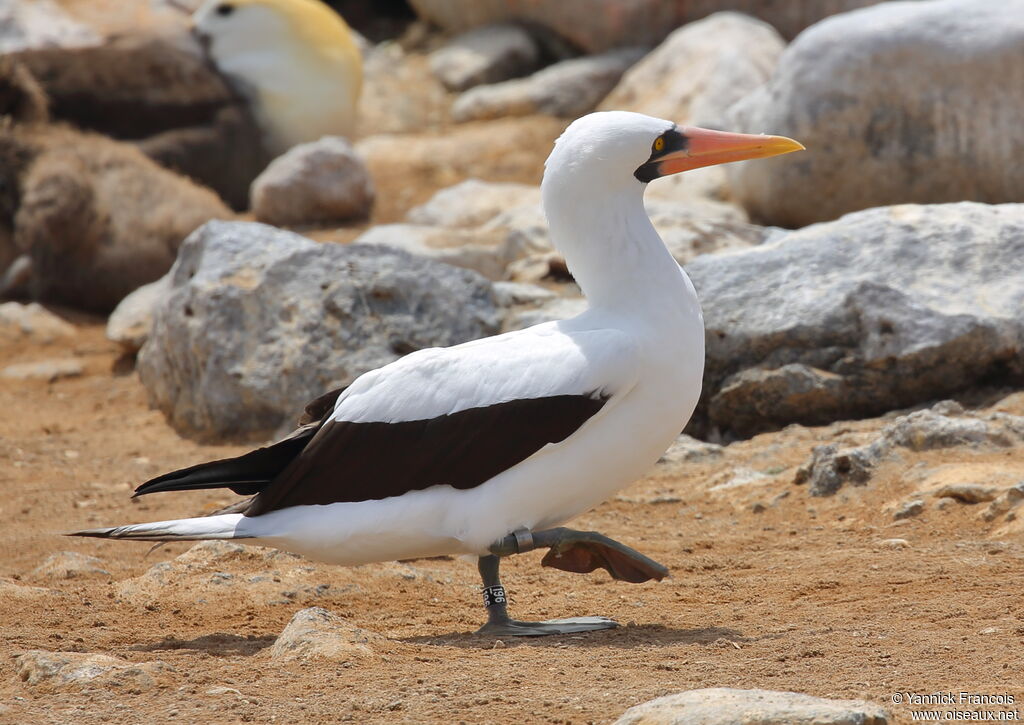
[(700, 70), (945, 128), (596, 25), (569, 88), (729, 706), (320, 182), (488, 54), (882, 309), (260, 321)]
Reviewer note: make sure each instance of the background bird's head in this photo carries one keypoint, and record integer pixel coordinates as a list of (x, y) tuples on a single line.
[(297, 61)]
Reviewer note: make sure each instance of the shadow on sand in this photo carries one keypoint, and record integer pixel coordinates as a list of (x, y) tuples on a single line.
[(625, 637), (219, 645)]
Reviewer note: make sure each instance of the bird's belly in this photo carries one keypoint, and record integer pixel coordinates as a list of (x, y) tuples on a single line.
[(567, 479)]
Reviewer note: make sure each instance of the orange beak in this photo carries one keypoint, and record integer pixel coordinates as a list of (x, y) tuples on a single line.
[(708, 148)]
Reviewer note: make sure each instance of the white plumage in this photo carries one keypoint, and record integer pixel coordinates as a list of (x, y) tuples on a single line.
[(296, 61)]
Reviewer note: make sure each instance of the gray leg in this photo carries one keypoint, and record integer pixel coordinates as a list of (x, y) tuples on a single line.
[(570, 550), (500, 624)]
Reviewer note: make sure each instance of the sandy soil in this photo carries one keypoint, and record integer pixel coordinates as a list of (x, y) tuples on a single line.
[(770, 588)]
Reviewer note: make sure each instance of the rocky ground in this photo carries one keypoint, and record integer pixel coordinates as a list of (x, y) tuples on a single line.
[(844, 596)]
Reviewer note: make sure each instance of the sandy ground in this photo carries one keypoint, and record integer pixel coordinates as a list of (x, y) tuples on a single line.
[(770, 588)]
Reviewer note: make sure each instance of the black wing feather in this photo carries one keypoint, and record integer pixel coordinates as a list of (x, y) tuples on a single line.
[(348, 461), (250, 473)]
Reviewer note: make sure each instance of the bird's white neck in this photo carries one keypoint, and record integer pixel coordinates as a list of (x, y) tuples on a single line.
[(614, 252)]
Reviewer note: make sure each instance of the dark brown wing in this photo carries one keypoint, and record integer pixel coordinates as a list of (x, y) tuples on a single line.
[(250, 473), (348, 461)]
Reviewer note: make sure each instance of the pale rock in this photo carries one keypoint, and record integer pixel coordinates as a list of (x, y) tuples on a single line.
[(877, 136), (537, 268), (48, 370), (469, 249), (882, 309), (700, 70), (925, 430), (560, 308), (511, 294), (740, 477), (220, 574), (130, 322), (76, 670), (500, 149), (687, 449), (260, 321), (945, 425), (69, 565), (569, 88), (688, 228), (729, 706), (472, 203), (1006, 502), (524, 229), (487, 54), (968, 492), (11, 589), (895, 543), (30, 24), (909, 509), (315, 633), (319, 182), (32, 321)]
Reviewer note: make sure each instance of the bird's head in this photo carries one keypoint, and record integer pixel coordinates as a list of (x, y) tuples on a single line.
[(619, 149), (234, 27)]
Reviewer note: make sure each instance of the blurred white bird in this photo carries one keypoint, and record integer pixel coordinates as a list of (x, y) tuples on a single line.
[(296, 61)]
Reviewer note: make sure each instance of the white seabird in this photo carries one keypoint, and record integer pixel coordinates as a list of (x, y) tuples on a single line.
[(483, 447)]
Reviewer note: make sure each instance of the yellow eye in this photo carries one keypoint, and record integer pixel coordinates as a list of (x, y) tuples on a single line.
[(659, 143)]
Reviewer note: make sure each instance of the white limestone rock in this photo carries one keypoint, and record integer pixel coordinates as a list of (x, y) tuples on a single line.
[(730, 706)]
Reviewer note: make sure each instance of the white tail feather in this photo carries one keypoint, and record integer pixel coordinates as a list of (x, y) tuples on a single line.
[(224, 526)]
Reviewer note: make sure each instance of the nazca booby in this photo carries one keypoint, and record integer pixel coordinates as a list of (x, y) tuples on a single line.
[(483, 448), (296, 61)]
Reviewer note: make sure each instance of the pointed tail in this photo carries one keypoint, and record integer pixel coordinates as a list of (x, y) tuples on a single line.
[(224, 526)]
